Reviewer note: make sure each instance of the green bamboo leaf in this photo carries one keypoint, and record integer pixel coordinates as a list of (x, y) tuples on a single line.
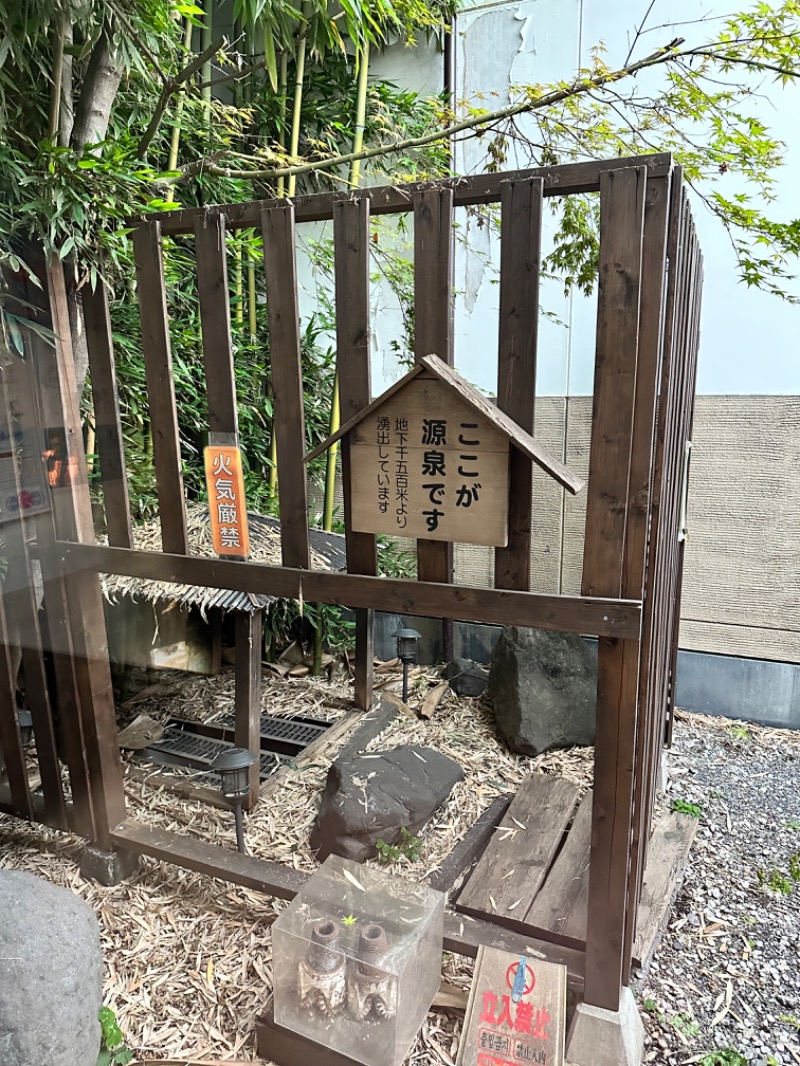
[(270, 58)]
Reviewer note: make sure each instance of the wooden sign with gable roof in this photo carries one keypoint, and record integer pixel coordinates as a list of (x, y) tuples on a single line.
[(430, 459)]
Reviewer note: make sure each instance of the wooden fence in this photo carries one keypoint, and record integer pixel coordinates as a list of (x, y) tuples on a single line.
[(650, 278)]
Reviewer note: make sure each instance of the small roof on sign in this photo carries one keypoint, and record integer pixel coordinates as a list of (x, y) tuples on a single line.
[(432, 364)]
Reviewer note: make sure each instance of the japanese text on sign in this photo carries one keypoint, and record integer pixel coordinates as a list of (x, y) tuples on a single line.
[(514, 1017), (226, 501), (424, 465)]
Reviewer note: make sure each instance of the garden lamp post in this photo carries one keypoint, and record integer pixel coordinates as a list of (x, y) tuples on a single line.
[(25, 719), (233, 767), (407, 653)]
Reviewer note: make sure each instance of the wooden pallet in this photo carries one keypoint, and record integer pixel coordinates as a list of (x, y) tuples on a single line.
[(534, 874)]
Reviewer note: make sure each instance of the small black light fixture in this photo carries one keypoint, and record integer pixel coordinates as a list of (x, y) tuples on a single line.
[(407, 640), (25, 719), (233, 767)]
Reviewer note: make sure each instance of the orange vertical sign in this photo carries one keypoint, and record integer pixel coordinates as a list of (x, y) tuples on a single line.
[(226, 502)]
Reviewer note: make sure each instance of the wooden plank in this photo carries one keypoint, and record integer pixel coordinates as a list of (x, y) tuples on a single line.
[(468, 191), (215, 319), (462, 934), (277, 227), (19, 591), (449, 875), (520, 259), (10, 742), (160, 387), (595, 616), (434, 305), (247, 693), (666, 864), (83, 598), (654, 254), (351, 264), (513, 868), (560, 907), (622, 199), (108, 427)]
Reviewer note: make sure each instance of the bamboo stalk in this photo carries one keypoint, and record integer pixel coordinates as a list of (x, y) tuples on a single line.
[(300, 73), (206, 39), (58, 71), (330, 467), (175, 140), (282, 101)]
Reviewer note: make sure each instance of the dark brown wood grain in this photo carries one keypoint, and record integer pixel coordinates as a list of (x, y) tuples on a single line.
[(433, 334), (622, 200), (160, 386), (215, 319), (278, 230), (596, 616), (520, 257), (471, 846), (108, 427), (247, 696), (351, 262), (654, 265), (560, 907), (395, 199), (514, 866), (10, 743), (83, 602), (462, 934)]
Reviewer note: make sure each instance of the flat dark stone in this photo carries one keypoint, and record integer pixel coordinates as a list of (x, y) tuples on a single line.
[(371, 797)]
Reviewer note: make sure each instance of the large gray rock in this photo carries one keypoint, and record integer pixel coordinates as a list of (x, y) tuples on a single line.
[(51, 975), (543, 688), (371, 797)]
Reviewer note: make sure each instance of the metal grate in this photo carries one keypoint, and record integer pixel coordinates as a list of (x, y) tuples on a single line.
[(177, 747), (299, 732)]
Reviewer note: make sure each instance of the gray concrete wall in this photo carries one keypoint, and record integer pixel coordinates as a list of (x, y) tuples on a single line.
[(743, 550)]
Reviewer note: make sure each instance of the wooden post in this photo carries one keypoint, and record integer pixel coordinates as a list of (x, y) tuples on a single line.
[(247, 717), (433, 334), (160, 387), (106, 415), (277, 228), (351, 251), (622, 199), (520, 258), (653, 276), (85, 620)]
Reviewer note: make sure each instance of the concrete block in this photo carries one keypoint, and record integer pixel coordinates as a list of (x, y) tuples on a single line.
[(108, 867), (599, 1037)]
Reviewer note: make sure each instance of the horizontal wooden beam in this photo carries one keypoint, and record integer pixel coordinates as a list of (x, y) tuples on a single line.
[(462, 934), (571, 614), (394, 199)]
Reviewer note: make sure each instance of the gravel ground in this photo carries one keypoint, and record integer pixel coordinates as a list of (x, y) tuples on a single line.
[(724, 987)]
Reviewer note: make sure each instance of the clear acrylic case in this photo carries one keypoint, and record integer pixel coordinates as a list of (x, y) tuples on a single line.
[(357, 960)]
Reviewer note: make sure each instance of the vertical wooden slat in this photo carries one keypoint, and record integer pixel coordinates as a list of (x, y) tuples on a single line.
[(215, 319), (10, 743), (657, 597), (520, 259), (106, 415), (85, 618), (247, 712), (20, 592), (686, 435), (433, 334), (351, 258), (653, 275), (622, 199), (278, 230), (160, 387)]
